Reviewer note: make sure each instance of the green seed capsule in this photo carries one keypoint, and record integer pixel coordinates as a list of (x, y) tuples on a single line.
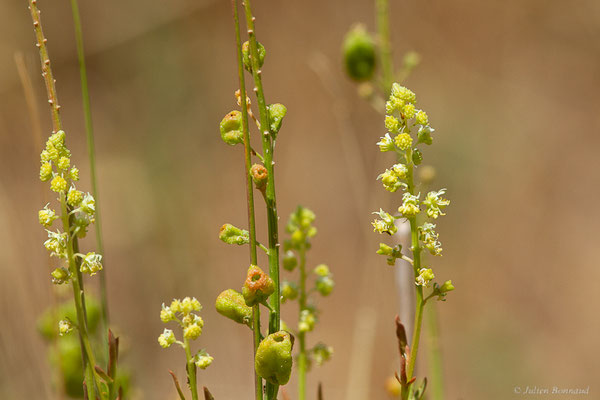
[(325, 285), (231, 304), (276, 113), (273, 360), (359, 54), (246, 55), (289, 291), (258, 286), (289, 261), (233, 235), (424, 135), (231, 128), (417, 156)]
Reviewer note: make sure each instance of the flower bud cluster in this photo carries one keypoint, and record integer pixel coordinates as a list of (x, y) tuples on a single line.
[(56, 168), (184, 313), (408, 127), (301, 230)]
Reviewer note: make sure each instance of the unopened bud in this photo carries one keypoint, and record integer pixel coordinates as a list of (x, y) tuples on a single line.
[(276, 113), (359, 54), (325, 285), (60, 276), (424, 135), (289, 291), (289, 261), (417, 156)]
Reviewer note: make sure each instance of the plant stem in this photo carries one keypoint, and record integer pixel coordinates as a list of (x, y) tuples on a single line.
[(416, 250), (258, 383), (191, 369), (302, 360), (383, 32), (46, 70), (89, 132), (272, 219), (89, 361)]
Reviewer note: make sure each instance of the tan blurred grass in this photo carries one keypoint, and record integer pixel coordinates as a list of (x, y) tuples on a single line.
[(510, 88)]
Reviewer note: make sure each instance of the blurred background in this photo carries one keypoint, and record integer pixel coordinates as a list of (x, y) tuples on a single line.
[(511, 88)]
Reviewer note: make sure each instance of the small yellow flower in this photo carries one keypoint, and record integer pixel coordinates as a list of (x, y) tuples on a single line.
[(58, 184), (64, 163), (166, 339), (422, 118), (74, 174), (45, 171), (408, 111), (74, 197), (192, 331), (403, 141)]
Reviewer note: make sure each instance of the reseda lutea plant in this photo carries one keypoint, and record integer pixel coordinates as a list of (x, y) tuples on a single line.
[(301, 230), (76, 212), (184, 313), (408, 128)]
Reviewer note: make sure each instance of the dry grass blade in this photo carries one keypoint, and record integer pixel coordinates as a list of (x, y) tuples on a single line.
[(320, 392)]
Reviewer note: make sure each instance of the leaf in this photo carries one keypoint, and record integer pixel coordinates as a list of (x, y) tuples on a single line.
[(207, 394), (103, 374), (403, 350), (113, 354), (176, 382)]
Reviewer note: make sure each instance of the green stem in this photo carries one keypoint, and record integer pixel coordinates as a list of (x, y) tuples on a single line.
[(270, 199), (191, 369), (89, 131), (416, 250), (258, 383), (89, 360), (436, 376), (302, 359), (385, 48)]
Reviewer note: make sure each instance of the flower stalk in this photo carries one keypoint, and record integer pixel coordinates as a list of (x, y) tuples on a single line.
[(257, 335), (407, 129)]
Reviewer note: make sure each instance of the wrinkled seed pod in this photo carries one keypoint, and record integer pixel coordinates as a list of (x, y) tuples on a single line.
[(234, 235), (231, 128), (260, 176), (273, 360), (359, 54), (246, 55), (231, 304), (257, 287)]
